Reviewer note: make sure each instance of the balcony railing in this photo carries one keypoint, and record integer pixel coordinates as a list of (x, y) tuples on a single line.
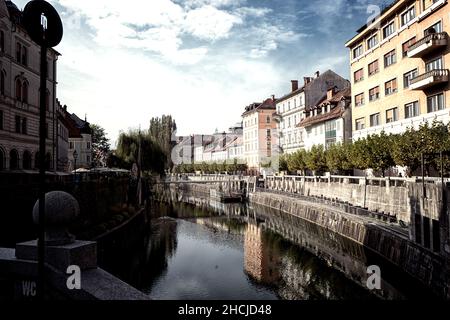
[(428, 44), (429, 79)]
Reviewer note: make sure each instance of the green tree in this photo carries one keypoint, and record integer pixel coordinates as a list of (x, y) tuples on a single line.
[(162, 132), (337, 157), (315, 159), (100, 145), (380, 152), (152, 157), (296, 161)]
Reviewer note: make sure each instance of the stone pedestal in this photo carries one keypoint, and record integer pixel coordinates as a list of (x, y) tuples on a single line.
[(80, 253)]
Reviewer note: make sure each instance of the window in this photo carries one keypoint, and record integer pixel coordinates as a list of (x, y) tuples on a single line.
[(359, 99), (372, 42), (408, 15), (330, 132), (412, 110), (407, 77), (388, 30), (268, 119), (88, 159), (18, 89), (25, 92), (435, 103), (358, 51), (435, 28), (268, 134), (47, 101), (373, 68), (391, 115), (18, 52), (18, 127), (289, 105), (406, 45), (434, 64), (360, 124), (24, 56), (2, 41), (375, 120), (24, 126), (2, 83), (46, 130), (358, 75), (390, 87), (88, 145), (390, 58), (374, 94)]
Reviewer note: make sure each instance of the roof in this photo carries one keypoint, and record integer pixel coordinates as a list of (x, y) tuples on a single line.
[(268, 104), (335, 112)]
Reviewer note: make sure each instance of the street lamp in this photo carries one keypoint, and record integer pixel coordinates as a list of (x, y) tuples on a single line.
[(75, 156)]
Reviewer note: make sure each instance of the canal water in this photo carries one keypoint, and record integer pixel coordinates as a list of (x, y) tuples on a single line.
[(253, 253)]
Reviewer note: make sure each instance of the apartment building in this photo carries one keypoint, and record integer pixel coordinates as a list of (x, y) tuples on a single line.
[(292, 106), (259, 135), (330, 121), (399, 67)]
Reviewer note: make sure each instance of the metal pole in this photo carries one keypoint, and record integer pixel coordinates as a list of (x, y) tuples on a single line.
[(42, 137)]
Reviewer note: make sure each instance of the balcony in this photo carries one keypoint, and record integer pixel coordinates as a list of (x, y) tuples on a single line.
[(276, 117), (429, 79), (428, 44)]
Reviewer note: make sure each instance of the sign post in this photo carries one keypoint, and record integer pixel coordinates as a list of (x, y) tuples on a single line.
[(44, 26)]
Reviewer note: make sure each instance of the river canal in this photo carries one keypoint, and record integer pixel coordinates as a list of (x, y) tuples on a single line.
[(253, 253)]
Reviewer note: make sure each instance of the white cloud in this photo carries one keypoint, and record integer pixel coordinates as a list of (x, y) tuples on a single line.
[(210, 23)]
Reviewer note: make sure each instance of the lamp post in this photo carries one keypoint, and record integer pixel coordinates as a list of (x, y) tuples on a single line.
[(75, 157)]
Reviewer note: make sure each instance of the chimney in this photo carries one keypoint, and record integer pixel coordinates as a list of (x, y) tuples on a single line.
[(307, 80), (294, 85), (331, 92), (273, 97), (317, 74)]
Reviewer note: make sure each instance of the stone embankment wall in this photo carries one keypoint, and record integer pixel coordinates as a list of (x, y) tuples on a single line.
[(391, 243)]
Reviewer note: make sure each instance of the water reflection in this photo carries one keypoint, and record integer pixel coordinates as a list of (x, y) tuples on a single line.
[(217, 251)]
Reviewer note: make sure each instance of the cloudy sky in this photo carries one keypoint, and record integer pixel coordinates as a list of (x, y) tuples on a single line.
[(202, 61)]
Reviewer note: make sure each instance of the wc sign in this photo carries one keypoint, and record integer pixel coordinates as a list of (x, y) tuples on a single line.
[(27, 289)]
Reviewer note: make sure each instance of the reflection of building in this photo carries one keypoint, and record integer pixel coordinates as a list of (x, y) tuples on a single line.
[(261, 260), (400, 69), (19, 95)]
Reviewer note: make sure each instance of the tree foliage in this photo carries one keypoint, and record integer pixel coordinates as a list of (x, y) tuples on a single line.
[(100, 145), (162, 132)]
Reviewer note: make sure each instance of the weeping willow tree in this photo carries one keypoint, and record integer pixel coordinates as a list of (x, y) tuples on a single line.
[(153, 159)]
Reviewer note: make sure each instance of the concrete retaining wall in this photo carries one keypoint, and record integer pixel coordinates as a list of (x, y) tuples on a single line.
[(429, 268)]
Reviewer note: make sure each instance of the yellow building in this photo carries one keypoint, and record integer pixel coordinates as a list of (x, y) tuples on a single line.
[(399, 68)]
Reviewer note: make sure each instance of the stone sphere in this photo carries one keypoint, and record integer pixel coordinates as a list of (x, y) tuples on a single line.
[(61, 209)]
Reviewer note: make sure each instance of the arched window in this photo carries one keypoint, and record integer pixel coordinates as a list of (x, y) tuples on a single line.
[(14, 160), (18, 89), (2, 82), (25, 92), (24, 56), (26, 160)]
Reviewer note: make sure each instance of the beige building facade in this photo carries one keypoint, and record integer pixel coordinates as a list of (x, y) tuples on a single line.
[(260, 139), (399, 68)]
